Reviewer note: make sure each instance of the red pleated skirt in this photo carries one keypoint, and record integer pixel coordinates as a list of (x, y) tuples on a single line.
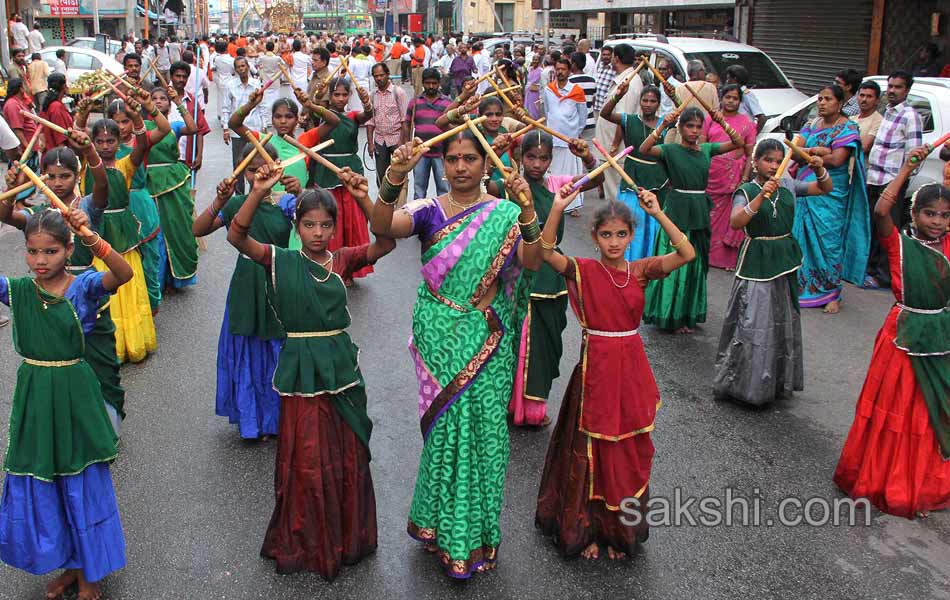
[(351, 227), (891, 456), (565, 511), (325, 512)]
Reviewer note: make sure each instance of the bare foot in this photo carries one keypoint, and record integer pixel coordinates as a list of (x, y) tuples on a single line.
[(545, 421), (265, 438), (431, 547), (614, 554), (923, 514), (591, 552), (57, 587), (832, 307), (684, 330), (88, 590)]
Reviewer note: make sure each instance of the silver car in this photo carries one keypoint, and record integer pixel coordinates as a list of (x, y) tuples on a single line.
[(930, 97), (80, 61)]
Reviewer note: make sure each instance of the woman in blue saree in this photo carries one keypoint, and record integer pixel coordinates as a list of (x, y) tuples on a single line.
[(833, 229), (476, 274)]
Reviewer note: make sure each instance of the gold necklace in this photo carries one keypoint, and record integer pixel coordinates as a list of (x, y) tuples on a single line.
[(611, 276), (58, 297), (463, 207), (325, 265)]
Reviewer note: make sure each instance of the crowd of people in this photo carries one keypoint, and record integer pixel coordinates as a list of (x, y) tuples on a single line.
[(501, 137)]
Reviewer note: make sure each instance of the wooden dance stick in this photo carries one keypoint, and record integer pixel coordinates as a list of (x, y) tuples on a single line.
[(501, 94), (524, 130), (667, 86), (636, 70), (283, 71), (161, 78), (151, 66), (600, 169), (798, 149), (15, 191), (29, 147), (269, 82), (930, 147), (547, 129), (100, 94), (119, 92), (328, 78), (522, 199), (247, 159), (507, 89), (51, 195), (259, 147), (616, 165), (781, 169), (501, 74), (311, 152), (49, 124), (484, 77), (447, 134)]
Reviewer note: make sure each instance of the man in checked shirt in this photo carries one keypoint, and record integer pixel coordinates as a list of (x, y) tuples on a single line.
[(384, 132), (899, 133)]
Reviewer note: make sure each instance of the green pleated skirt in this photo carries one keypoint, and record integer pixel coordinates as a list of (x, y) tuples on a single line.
[(679, 300)]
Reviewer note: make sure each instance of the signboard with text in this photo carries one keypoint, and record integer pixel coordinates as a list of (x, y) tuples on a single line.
[(64, 8)]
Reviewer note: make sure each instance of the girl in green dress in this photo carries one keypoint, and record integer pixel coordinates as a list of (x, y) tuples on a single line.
[(646, 171), (477, 271), (539, 353), (678, 302), (251, 335), (168, 181), (325, 512), (61, 168), (760, 349), (131, 310), (59, 509), (345, 152), (284, 118)]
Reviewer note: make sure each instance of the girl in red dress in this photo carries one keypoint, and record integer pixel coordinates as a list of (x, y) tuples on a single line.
[(601, 453), (898, 450)]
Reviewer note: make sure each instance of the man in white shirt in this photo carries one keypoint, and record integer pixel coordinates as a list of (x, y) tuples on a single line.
[(608, 134), (565, 108), (300, 69), (196, 74), (590, 66), (237, 93), (269, 68), (438, 49), (20, 33), (174, 49), (666, 103), (35, 39), (361, 66), (163, 61), (483, 62), (60, 62), (223, 67)]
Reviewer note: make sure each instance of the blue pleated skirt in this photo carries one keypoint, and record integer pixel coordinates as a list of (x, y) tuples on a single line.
[(644, 234), (245, 393), (69, 523), (165, 271)]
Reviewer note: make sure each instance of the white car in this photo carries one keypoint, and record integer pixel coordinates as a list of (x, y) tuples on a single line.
[(80, 61), (88, 43), (930, 97), (774, 91)]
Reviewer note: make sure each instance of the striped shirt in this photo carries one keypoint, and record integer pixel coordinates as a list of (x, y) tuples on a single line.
[(605, 77), (389, 108), (900, 132), (426, 113), (589, 85)]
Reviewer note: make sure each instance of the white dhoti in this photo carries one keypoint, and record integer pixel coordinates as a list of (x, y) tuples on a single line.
[(271, 95), (604, 132), (301, 84), (355, 104), (563, 162)]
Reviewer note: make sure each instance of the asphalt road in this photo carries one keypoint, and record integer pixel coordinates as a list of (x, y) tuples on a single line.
[(196, 499)]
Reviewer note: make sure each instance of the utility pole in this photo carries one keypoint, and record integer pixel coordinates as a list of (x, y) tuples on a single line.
[(4, 36), (546, 5), (230, 16), (95, 18)]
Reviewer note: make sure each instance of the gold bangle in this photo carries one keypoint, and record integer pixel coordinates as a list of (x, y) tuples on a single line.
[(548, 245), (98, 239), (391, 182), (525, 241), (534, 219), (679, 243)]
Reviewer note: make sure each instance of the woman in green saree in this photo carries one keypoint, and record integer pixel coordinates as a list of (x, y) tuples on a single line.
[(477, 271)]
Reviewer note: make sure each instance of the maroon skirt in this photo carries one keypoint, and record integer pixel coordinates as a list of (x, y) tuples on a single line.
[(565, 512), (325, 513)]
